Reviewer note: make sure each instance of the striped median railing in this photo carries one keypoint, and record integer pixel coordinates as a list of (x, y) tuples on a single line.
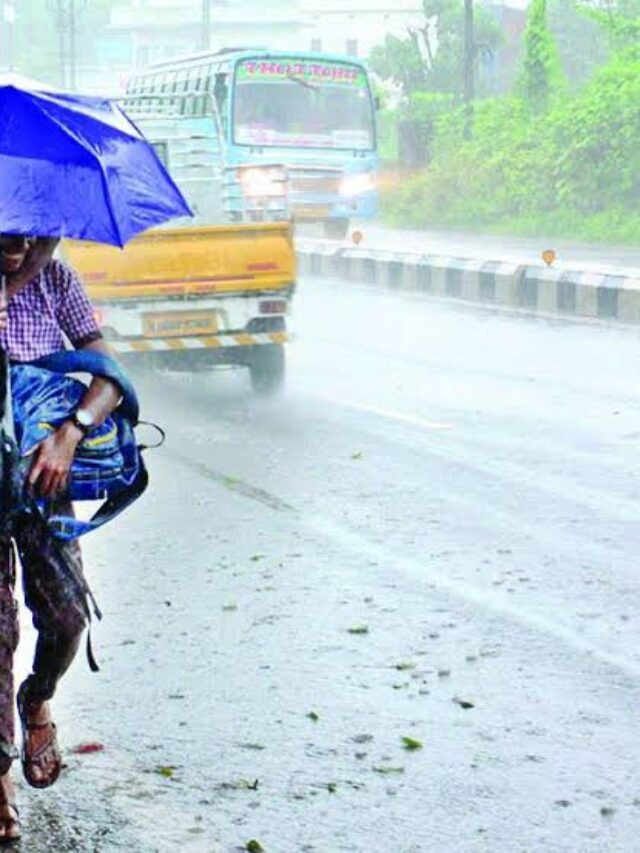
[(537, 289)]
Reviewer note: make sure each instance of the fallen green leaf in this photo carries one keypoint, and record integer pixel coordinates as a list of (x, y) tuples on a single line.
[(257, 557), (411, 743), (359, 629), (313, 716), (254, 846), (231, 606), (357, 455), (167, 770), (332, 787), (405, 665), (251, 745)]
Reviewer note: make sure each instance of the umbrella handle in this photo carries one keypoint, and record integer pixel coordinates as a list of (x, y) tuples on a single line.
[(6, 409)]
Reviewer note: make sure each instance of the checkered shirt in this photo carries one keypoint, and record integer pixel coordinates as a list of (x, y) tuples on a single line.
[(49, 308)]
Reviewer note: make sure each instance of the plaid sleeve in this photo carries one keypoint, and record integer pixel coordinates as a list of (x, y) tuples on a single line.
[(74, 311)]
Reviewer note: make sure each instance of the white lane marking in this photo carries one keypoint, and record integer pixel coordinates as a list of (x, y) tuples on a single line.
[(487, 601), (557, 487), (401, 417)]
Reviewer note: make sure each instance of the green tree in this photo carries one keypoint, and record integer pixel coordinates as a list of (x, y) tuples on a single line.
[(581, 43), (431, 58), (399, 61), (540, 72), (620, 20)]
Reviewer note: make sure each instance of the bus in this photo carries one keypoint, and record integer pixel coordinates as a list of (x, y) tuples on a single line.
[(280, 122)]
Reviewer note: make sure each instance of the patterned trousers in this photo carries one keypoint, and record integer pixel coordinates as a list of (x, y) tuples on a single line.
[(59, 614)]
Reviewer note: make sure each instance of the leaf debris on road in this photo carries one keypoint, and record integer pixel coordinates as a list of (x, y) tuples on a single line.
[(241, 785), (387, 769), (166, 770)]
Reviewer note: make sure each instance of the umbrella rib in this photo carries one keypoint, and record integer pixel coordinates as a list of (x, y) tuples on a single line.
[(107, 196), (89, 150)]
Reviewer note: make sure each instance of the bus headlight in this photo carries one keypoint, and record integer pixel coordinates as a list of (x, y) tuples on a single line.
[(263, 181), (361, 182)]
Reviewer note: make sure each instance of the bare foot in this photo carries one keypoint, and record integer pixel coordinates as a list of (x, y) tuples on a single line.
[(9, 823), (41, 757)]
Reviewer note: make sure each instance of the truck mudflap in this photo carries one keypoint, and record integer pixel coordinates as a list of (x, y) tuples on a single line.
[(241, 339)]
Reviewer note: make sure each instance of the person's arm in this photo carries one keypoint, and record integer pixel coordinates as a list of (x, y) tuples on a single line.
[(54, 456), (39, 255)]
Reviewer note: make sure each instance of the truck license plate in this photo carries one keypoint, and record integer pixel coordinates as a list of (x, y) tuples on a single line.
[(310, 212), (174, 324)]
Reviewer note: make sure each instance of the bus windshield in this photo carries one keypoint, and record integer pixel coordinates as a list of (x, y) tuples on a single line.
[(310, 104)]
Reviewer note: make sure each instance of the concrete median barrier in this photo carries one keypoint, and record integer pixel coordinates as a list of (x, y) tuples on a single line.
[(537, 289)]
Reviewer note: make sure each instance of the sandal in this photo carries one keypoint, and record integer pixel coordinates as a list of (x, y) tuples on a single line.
[(10, 823), (35, 759)]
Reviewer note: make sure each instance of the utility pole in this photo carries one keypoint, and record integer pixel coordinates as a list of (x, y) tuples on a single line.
[(65, 15), (8, 22), (469, 63), (72, 45), (205, 38)]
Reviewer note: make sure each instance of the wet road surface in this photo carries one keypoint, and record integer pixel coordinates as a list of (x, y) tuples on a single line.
[(432, 535)]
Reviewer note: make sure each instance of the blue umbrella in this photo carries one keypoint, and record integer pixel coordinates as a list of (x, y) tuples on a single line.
[(75, 166)]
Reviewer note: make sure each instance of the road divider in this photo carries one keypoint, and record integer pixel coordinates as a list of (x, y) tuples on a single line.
[(536, 289)]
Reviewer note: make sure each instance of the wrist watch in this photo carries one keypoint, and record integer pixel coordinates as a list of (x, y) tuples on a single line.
[(83, 419)]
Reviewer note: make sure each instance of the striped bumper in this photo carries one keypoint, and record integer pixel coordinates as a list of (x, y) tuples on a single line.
[(202, 342)]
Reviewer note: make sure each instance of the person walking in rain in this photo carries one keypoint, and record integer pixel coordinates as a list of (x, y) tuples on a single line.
[(41, 312)]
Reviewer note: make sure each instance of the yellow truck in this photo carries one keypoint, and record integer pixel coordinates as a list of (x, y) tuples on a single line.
[(196, 296)]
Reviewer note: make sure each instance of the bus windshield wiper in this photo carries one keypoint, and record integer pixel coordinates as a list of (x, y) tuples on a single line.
[(302, 82)]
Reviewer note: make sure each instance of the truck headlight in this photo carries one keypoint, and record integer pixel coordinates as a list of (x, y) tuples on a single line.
[(361, 182), (263, 181)]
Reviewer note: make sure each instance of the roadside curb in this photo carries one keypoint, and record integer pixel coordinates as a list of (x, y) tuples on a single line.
[(537, 289)]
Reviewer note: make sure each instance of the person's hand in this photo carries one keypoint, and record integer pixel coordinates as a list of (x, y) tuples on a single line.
[(49, 474)]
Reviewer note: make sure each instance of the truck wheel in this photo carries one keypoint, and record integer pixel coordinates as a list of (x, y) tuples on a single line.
[(267, 369), (336, 229)]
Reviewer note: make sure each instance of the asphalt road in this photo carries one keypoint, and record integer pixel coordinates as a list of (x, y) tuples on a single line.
[(432, 535), (614, 260)]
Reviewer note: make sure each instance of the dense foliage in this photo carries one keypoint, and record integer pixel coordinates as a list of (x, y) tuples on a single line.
[(546, 158), (430, 58)]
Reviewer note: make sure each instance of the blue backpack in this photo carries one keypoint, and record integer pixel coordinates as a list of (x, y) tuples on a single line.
[(108, 463)]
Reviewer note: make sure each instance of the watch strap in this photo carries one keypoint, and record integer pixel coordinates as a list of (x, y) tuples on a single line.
[(84, 429)]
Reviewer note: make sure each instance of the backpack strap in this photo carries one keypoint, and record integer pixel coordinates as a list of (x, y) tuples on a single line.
[(66, 528)]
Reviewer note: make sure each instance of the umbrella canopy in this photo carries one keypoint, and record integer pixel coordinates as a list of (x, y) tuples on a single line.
[(75, 166)]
